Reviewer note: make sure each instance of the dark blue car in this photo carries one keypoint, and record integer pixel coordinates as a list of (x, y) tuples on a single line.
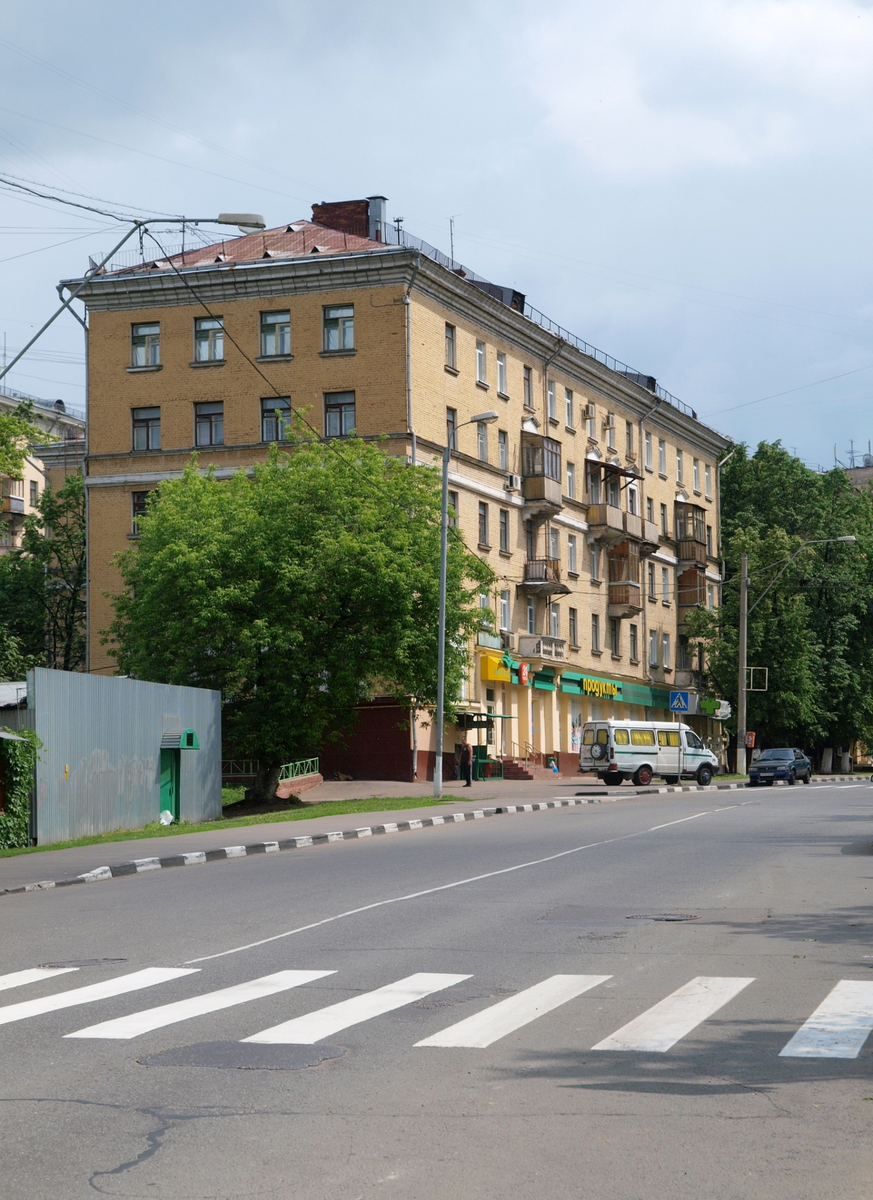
[(790, 764)]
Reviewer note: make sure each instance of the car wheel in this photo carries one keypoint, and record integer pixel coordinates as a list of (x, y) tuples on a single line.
[(792, 778), (671, 779), (752, 783), (770, 782), (612, 778), (704, 776), (807, 777), (643, 776)]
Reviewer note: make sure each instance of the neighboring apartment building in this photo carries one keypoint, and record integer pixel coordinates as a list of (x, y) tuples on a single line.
[(593, 497), (52, 461)]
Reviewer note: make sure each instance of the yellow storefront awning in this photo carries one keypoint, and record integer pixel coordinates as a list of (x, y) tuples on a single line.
[(493, 668)]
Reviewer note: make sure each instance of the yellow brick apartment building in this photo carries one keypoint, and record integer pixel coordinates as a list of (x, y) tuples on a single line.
[(594, 496)]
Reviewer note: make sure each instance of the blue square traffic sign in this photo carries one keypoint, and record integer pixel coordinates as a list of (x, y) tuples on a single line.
[(679, 702)]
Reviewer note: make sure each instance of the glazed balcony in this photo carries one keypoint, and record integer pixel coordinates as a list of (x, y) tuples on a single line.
[(606, 523)]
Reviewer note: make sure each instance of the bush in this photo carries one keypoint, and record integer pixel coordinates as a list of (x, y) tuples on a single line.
[(18, 770)]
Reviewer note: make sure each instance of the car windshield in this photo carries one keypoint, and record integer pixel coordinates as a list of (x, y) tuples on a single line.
[(776, 754)]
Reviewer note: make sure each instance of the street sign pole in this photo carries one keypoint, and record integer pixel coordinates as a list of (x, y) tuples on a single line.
[(741, 672)]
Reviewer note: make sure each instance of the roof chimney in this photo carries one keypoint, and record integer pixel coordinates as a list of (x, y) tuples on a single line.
[(377, 217)]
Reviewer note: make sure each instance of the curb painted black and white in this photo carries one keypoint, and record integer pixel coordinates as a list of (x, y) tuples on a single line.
[(193, 858)]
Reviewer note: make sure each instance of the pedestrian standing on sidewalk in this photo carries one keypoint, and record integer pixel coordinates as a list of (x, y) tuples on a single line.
[(467, 763)]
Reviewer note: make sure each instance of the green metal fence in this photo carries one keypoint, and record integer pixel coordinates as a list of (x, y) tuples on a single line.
[(306, 766)]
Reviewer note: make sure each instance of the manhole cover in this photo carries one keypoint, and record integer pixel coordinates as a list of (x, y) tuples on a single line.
[(83, 962), (663, 917), (243, 1056)]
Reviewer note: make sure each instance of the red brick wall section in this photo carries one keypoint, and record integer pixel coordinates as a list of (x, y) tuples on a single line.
[(349, 216)]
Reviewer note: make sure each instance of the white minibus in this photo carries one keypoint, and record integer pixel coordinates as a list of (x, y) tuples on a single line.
[(638, 750)]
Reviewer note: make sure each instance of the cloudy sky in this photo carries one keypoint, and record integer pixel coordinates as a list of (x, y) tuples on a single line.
[(684, 183)]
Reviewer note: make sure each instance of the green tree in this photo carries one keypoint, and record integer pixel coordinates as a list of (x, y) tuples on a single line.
[(298, 592), (17, 431), (813, 629), (14, 662)]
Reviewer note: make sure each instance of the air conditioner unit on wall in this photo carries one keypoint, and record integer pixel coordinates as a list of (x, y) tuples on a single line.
[(513, 483), (609, 421), (590, 410)]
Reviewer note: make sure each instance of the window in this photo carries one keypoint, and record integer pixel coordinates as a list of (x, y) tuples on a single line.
[(275, 334), (504, 530), (634, 643), (621, 737), (530, 539), (595, 633), (594, 490), (662, 456), (276, 419), (541, 457), (683, 654), (568, 406), (209, 424), (34, 493), (573, 622), (146, 428), (665, 644), (649, 451), (502, 450), (613, 490), (339, 414), (680, 467), (571, 553), (453, 509), (501, 375), (632, 501), (554, 620), (482, 441), (208, 339), (554, 543), (504, 610), (452, 428), (451, 348), (138, 505), (531, 614), (707, 481), (695, 473), (594, 559), (571, 481), (642, 737), (668, 737), (552, 402), (610, 431), (481, 365), (614, 636), (665, 529), (628, 438), (665, 585), (710, 596), (592, 420), (650, 574), (339, 327), (528, 387), (650, 510), (709, 540), (483, 525), (145, 345), (653, 648)]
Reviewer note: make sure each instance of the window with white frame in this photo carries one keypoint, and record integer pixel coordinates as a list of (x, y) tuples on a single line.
[(665, 650), (665, 585), (568, 407), (554, 543), (649, 451), (554, 620), (482, 441), (339, 327), (680, 466), (504, 610), (571, 553), (710, 596), (665, 527), (695, 473), (481, 364), (595, 633), (483, 525), (594, 561), (145, 345), (208, 339), (552, 402), (339, 414), (653, 648), (632, 501), (531, 614), (707, 481), (592, 420), (275, 334), (503, 449), (709, 540), (453, 509), (571, 480), (610, 431), (209, 424), (595, 491), (501, 374), (662, 456)]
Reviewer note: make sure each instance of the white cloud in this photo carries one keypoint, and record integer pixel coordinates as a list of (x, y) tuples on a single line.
[(634, 86)]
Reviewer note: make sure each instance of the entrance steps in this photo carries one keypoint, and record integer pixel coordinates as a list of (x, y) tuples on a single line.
[(526, 770)]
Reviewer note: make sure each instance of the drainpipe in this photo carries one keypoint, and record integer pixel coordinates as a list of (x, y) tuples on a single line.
[(411, 431), (643, 590)]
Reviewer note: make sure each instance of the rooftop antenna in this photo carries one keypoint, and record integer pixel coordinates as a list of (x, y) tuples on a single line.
[(398, 225), (452, 237)]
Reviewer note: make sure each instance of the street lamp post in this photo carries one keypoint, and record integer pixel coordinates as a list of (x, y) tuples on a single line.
[(744, 635), (485, 418)]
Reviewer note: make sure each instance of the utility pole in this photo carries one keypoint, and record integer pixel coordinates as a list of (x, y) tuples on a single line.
[(741, 674)]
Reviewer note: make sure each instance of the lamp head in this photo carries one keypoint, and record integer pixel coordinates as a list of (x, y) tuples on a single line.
[(484, 418), (849, 538), (246, 222)]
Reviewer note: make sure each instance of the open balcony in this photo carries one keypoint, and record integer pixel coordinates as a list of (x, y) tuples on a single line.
[(542, 647), (542, 577)]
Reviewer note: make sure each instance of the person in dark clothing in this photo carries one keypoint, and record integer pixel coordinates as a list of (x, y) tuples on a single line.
[(467, 763)]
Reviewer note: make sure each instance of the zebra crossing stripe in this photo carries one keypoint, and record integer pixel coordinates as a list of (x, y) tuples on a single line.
[(196, 1006), (93, 991), (305, 1031), (506, 1016), (33, 975), (673, 1018), (840, 1025)]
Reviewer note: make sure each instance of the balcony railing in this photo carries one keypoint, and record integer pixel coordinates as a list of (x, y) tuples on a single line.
[(11, 504), (692, 551), (606, 522), (542, 570), (542, 646)]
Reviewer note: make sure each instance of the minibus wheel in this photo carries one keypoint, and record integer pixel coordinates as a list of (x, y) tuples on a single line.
[(671, 779), (612, 778), (704, 776), (643, 776)]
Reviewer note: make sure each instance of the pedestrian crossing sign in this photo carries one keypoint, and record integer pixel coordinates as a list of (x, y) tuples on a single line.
[(679, 702)]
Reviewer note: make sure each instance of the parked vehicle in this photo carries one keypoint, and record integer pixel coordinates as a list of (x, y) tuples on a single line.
[(639, 750), (787, 763)]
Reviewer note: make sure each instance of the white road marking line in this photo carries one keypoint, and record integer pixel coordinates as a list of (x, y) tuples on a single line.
[(674, 1017), (305, 1031), (33, 975), (443, 887), (840, 1025), (510, 1014), (196, 1006), (93, 991)]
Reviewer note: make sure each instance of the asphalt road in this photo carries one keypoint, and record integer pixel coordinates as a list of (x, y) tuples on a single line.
[(574, 1096)]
